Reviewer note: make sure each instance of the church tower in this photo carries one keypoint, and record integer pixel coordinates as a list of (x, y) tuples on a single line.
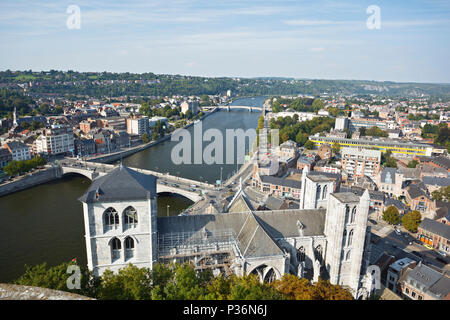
[(345, 229), (120, 216), (15, 124), (315, 190)]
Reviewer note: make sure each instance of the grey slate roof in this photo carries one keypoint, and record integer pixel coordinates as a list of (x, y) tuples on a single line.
[(121, 184), (394, 202), (415, 191), (424, 276), (435, 227), (442, 161), (256, 232), (281, 182), (434, 181), (441, 288), (346, 197)]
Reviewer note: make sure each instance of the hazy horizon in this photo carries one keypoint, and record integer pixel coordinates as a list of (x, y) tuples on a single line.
[(314, 40)]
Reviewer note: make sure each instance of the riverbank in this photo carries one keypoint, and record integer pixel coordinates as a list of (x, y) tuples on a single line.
[(30, 180), (112, 157)]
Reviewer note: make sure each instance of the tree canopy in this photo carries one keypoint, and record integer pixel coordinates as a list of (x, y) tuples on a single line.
[(179, 282)]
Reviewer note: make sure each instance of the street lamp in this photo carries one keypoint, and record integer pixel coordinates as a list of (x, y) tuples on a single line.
[(168, 210)]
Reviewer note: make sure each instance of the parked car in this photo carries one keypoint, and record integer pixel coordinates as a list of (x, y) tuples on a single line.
[(373, 221), (163, 182), (442, 253), (397, 231), (428, 246), (175, 185)]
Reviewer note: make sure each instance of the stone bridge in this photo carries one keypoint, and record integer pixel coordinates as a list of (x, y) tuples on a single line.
[(228, 108), (166, 182)]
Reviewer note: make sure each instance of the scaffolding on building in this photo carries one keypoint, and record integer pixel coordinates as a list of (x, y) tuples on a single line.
[(215, 250)]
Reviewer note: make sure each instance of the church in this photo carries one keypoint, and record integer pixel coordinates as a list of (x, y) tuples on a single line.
[(326, 237)]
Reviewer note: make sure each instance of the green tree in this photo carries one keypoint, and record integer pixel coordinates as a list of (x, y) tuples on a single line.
[(56, 278), (391, 215), (295, 288), (336, 148), (309, 145), (261, 122), (411, 220), (442, 194), (145, 138), (376, 132), (412, 164), (129, 283), (185, 284)]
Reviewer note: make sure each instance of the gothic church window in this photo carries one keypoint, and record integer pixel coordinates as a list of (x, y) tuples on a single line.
[(324, 193), (111, 219), (129, 248), (116, 247), (353, 215), (130, 218), (270, 276), (301, 254), (318, 193), (350, 238), (347, 212), (347, 257)]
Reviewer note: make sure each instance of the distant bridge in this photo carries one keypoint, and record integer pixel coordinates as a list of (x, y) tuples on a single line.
[(228, 108)]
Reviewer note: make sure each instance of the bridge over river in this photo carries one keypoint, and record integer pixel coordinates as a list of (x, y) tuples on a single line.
[(191, 189), (228, 108)]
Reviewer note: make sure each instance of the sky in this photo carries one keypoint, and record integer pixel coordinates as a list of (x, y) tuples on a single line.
[(315, 39)]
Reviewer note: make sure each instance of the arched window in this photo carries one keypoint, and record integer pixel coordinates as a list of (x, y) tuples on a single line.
[(347, 212), (318, 253), (111, 219), (130, 218), (344, 238), (129, 248), (270, 276), (116, 247), (347, 257), (353, 214), (350, 238), (301, 254), (324, 192), (318, 192)]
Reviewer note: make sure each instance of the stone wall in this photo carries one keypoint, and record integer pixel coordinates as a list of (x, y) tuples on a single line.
[(19, 292), (31, 180)]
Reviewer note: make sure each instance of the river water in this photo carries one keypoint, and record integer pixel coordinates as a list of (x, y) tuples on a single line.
[(45, 223)]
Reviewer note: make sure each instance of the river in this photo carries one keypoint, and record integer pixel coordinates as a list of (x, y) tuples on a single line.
[(45, 223)]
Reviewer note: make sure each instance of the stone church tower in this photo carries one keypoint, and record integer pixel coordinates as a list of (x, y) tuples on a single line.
[(120, 217), (345, 229), (315, 190)]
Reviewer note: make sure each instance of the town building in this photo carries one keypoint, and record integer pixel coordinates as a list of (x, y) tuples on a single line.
[(5, 157), (189, 105), (396, 271), (137, 125), (361, 162), (398, 148), (55, 140), (435, 234), (424, 283), (19, 150), (325, 152)]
